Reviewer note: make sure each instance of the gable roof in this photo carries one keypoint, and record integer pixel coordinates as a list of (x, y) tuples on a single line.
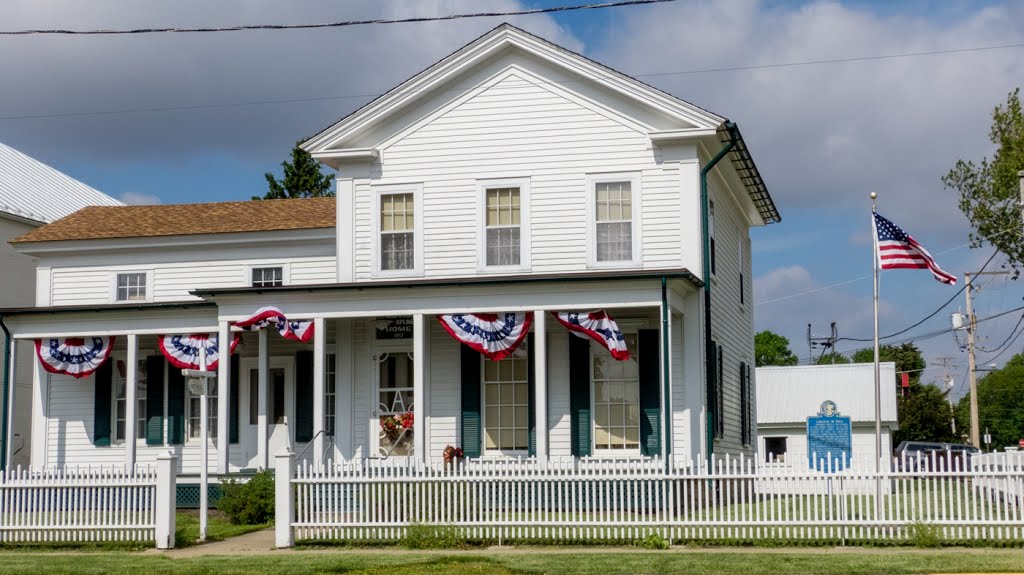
[(95, 223), (32, 190)]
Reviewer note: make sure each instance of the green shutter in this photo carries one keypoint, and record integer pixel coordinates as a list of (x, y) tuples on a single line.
[(233, 409), (648, 342), (744, 403), (175, 406), (470, 368), (303, 396), (579, 395), (101, 422), (531, 396), (155, 400), (711, 387)]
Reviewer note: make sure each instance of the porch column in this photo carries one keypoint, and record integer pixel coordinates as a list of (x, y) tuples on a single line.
[(130, 403), (224, 396), (344, 384), (263, 369), (419, 380), (540, 376), (12, 380), (319, 366), (40, 393)]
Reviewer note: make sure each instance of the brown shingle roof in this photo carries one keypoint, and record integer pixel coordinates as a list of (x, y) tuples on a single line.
[(106, 222)]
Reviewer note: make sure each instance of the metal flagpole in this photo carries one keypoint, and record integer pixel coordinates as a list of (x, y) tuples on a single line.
[(878, 378)]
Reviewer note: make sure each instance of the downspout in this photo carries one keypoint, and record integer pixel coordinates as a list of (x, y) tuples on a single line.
[(7, 383), (709, 362), (666, 379)]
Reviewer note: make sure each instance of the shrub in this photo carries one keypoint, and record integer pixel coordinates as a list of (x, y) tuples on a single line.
[(923, 535), (652, 541), (251, 502), (419, 536)]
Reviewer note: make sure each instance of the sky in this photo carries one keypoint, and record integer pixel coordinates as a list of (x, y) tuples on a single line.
[(200, 117)]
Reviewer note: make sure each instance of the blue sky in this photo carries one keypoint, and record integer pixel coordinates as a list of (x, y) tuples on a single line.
[(824, 136)]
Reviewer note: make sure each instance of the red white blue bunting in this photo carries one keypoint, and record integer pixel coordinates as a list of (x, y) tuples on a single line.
[(294, 329), (494, 335), (598, 326), (182, 351), (74, 356)]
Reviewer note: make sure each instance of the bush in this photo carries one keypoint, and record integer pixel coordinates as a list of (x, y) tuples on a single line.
[(419, 536), (924, 535), (251, 502), (652, 541)]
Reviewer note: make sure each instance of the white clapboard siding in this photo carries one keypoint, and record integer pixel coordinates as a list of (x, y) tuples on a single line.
[(445, 389), (519, 129)]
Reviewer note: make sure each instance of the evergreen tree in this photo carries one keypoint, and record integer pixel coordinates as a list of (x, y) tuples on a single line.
[(303, 178)]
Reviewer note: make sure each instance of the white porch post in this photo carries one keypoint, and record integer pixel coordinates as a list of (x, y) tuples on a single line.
[(540, 377), (223, 396), (263, 369), (344, 383), (319, 365), (40, 394), (130, 403), (419, 380), (12, 366)]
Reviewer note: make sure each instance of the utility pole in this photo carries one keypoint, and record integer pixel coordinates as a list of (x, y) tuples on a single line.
[(975, 432), (948, 382)]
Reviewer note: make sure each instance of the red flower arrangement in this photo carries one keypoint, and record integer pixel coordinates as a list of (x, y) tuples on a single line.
[(393, 425)]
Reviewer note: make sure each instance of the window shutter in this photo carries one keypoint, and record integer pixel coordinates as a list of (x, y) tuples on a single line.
[(155, 400), (650, 377), (531, 396), (303, 395), (744, 402), (749, 409), (579, 395), (101, 422), (720, 397), (233, 408), (711, 386), (175, 407), (471, 382)]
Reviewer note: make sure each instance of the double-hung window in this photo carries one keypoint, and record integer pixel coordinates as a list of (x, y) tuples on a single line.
[(506, 404), (268, 277), (615, 208), (616, 399), (195, 413), (131, 286), (330, 393), (503, 226), (397, 231), (119, 389)]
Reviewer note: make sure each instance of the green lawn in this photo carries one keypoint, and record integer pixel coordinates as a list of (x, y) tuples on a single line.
[(583, 561), (217, 529)]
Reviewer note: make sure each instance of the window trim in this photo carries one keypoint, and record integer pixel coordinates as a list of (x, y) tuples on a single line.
[(523, 183), (626, 326), (285, 271), (637, 234), (416, 189), (149, 286)]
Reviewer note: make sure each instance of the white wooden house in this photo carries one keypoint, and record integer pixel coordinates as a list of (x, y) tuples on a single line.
[(512, 177), (32, 194)]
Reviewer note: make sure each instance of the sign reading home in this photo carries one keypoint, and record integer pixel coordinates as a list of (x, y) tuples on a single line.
[(829, 439), (394, 327)]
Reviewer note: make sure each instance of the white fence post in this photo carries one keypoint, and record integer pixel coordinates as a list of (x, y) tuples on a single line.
[(166, 499), (284, 500)]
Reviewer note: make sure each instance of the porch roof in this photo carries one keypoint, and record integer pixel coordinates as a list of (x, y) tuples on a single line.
[(110, 307), (603, 275)]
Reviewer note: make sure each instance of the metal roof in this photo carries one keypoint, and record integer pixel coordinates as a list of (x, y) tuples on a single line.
[(31, 190), (792, 394)]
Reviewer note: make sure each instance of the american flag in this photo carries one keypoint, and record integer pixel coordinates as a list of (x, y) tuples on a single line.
[(897, 250)]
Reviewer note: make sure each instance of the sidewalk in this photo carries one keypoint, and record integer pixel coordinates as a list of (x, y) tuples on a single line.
[(255, 543)]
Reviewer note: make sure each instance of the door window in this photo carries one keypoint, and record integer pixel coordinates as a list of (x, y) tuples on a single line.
[(395, 409)]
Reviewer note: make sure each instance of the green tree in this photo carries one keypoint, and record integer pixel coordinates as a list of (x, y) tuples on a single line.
[(771, 348), (990, 192), (907, 357), (1000, 404), (832, 357), (303, 178)]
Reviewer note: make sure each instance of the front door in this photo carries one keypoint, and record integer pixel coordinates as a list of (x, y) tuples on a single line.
[(395, 402), (279, 405)]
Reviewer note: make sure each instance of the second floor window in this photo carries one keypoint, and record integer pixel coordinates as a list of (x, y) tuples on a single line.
[(397, 224), (131, 287), (267, 277), (614, 217), (503, 227)]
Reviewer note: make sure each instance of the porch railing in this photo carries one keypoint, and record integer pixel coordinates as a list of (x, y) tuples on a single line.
[(522, 500)]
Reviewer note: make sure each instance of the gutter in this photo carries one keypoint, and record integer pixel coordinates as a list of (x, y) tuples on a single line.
[(709, 352), (7, 383)]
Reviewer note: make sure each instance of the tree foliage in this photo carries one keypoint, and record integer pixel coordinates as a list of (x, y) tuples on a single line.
[(771, 348), (1000, 404), (832, 357), (990, 191), (303, 178)]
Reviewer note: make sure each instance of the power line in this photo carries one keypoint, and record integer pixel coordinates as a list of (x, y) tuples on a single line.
[(342, 24)]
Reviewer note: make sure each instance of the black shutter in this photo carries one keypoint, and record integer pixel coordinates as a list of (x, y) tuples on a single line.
[(650, 379), (744, 403), (531, 396), (303, 395), (233, 408), (155, 400), (175, 406), (101, 422), (470, 370), (720, 397), (579, 395), (711, 387)]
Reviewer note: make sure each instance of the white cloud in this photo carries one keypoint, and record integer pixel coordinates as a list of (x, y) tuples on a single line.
[(139, 199)]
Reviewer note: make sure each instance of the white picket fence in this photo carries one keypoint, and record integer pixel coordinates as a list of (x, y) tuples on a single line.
[(88, 505), (521, 500)]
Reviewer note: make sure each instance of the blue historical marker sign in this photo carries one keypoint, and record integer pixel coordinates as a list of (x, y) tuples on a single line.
[(829, 436)]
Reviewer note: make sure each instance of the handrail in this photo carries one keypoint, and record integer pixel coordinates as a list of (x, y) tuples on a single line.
[(310, 442), (397, 441)]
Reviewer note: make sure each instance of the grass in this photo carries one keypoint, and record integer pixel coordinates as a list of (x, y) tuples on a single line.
[(534, 560), (217, 529)]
